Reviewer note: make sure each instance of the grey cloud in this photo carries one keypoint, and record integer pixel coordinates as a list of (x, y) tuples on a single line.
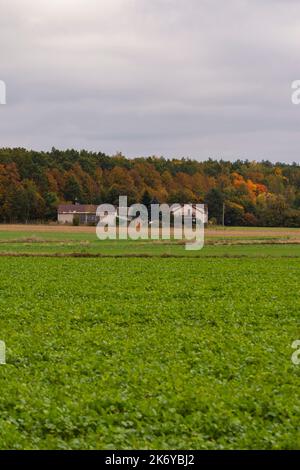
[(198, 78)]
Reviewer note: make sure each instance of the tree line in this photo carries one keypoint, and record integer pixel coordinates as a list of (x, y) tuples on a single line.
[(33, 184)]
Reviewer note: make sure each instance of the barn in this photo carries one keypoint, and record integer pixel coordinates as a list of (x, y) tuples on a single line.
[(85, 214)]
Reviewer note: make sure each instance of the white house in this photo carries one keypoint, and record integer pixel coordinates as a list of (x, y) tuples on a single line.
[(193, 211)]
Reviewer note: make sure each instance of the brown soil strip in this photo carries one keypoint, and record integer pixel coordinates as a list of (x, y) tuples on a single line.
[(209, 232), (141, 255)]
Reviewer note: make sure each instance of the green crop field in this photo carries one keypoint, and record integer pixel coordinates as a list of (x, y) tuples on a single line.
[(167, 349)]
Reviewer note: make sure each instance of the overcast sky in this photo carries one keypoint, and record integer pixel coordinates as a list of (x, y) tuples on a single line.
[(193, 78)]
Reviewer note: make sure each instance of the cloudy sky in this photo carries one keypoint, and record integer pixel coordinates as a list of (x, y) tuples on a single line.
[(193, 78)]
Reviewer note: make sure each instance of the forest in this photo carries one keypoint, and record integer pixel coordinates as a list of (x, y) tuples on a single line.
[(33, 184)]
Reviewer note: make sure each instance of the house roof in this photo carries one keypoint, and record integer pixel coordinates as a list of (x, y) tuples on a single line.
[(195, 207), (77, 209)]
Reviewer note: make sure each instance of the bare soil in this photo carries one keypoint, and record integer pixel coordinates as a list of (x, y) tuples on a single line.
[(257, 232)]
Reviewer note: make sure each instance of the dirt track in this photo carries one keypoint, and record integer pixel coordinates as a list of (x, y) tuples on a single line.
[(292, 233), (45, 228)]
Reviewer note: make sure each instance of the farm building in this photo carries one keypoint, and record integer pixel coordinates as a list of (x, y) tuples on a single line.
[(193, 211), (85, 213)]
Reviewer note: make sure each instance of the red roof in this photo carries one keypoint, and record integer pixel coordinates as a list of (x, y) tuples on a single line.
[(77, 209)]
